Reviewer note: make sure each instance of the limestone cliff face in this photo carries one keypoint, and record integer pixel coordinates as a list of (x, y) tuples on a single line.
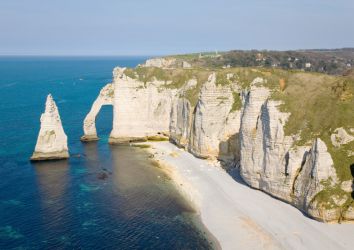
[(166, 63), (267, 162), (181, 116), (270, 160), (316, 171), (140, 109), (205, 118), (208, 130), (105, 97), (52, 140), (160, 62)]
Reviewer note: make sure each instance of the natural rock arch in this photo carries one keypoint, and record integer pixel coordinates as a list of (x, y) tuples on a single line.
[(105, 97)]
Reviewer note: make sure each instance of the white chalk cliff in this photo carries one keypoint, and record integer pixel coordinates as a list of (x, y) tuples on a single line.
[(52, 140), (271, 162), (105, 97), (160, 62), (250, 136), (141, 110), (209, 129), (166, 63)]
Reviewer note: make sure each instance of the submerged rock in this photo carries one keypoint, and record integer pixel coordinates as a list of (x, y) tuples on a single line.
[(102, 176), (52, 140), (8, 232), (88, 188)]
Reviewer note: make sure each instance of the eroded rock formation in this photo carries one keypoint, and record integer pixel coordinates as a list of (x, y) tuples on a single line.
[(52, 140), (160, 62), (141, 110), (105, 97), (267, 163), (219, 118), (210, 129), (272, 162), (316, 174)]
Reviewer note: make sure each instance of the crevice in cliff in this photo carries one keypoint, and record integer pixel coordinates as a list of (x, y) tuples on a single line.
[(287, 156), (298, 171), (352, 172), (229, 152)]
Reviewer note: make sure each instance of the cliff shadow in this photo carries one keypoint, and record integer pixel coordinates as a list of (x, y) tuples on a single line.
[(53, 186), (104, 122), (229, 157), (352, 172), (52, 178), (90, 152), (97, 160)]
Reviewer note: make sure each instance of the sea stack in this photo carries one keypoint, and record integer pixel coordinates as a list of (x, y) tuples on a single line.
[(52, 140)]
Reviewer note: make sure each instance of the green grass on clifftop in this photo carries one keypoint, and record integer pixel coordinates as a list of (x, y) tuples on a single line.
[(173, 78), (318, 105)]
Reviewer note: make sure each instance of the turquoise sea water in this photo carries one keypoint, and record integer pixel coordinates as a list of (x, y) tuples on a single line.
[(103, 197)]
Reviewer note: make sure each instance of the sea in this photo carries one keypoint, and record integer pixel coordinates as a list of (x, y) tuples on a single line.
[(104, 196)]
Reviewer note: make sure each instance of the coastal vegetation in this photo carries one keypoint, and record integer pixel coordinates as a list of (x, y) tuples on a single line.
[(157, 138), (334, 62), (141, 145)]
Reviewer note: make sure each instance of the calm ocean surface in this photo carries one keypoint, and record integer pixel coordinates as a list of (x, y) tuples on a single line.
[(68, 204)]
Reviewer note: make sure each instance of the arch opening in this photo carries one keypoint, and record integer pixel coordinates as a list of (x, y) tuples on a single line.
[(104, 122), (105, 98)]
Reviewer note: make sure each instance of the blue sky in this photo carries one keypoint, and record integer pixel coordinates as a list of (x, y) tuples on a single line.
[(153, 27)]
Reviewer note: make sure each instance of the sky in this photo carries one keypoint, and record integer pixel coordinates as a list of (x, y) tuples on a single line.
[(162, 27)]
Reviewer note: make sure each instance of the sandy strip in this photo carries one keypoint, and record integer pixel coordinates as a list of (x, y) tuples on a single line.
[(243, 218)]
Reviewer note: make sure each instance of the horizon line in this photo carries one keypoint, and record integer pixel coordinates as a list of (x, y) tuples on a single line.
[(169, 54), (73, 55)]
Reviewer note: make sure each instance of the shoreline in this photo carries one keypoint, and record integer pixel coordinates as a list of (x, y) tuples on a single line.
[(191, 196), (238, 216)]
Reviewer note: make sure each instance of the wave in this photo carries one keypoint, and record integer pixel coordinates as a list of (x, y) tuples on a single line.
[(7, 85)]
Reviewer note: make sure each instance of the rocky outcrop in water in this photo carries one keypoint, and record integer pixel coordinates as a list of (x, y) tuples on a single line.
[(52, 140), (105, 97)]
